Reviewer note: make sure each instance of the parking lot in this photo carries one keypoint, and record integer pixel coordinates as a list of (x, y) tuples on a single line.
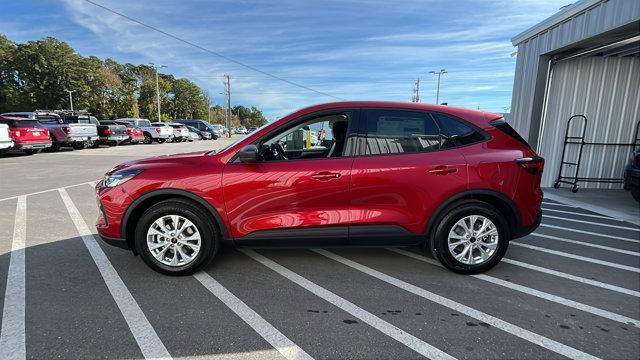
[(570, 290)]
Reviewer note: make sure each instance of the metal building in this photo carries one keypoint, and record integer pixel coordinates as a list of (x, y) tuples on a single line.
[(584, 60)]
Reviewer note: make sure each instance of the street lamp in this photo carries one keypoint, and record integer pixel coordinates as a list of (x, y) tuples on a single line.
[(157, 85), (439, 73), (70, 98)]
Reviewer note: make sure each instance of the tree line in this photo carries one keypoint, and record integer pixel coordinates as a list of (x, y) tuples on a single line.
[(38, 74)]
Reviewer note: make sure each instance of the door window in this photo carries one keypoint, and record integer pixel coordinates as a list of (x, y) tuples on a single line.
[(398, 132), (322, 137)]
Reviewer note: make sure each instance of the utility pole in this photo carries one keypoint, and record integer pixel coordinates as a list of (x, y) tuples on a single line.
[(439, 73), (228, 94), (416, 92), (157, 86), (70, 98), (209, 106)]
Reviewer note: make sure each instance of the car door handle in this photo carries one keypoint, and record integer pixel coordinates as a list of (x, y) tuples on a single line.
[(325, 175), (443, 170)]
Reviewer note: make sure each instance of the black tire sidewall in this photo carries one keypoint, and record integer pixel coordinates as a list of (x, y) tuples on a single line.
[(439, 243), (200, 218)]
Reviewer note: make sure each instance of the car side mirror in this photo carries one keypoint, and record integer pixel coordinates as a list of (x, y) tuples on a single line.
[(248, 154)]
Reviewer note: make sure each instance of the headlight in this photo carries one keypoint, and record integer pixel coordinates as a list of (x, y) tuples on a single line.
[(120, 177)]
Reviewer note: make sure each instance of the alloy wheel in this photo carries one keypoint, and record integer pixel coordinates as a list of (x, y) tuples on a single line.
[(173, 240), (473, 240)]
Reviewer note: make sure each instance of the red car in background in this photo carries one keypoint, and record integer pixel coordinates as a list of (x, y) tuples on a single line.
[(27, 135), (460, 182), (136, 135)]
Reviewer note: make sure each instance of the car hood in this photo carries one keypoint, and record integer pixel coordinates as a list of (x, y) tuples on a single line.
[(186, 159)]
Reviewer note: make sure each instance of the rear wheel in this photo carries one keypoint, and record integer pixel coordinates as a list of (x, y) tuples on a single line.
[(78, 145), (471, 238), (176, 237), (55, 145), (147, 138)]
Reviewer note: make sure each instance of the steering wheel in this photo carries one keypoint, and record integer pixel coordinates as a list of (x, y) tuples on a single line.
[(278, 152)]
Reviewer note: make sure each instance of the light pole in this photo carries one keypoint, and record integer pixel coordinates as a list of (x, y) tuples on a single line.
[(439, 73), (70, 98), (157, 86)]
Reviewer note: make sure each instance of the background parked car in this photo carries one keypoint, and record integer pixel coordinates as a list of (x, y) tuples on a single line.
[(112, 134), (27, 134), (214, 130), (203, 135), (632, 175), (151, 133), (5, 140), (133, 132), (180, 131), (62, 133), (89, 129)]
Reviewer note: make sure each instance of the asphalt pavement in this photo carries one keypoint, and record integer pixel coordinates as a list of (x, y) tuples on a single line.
[(569, 290)]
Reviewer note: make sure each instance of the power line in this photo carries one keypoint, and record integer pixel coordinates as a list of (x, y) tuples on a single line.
[(211, 51)]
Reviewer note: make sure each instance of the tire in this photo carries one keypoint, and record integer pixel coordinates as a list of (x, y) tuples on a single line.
[(439, 242), (203, 223), (556, 185), (55, 145), (160, 141), (78, 145), (95, 144), (575, 189), (112, 143), (147, 138)]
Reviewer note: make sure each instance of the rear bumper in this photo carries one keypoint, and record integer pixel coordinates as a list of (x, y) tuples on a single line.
[(528, 229), (32, 145), (6, 144), (81, 139), (114, 138)]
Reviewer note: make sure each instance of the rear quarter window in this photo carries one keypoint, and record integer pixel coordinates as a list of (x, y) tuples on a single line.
[(456, 132)]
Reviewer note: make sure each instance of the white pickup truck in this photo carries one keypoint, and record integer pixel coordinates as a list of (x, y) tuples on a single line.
[(151, 133), (6, 142)]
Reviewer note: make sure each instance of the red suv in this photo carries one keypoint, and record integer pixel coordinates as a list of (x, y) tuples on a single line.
[(459, 181), (27, 135)]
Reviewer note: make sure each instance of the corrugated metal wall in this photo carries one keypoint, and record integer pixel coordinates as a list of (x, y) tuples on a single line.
[(601, 17), (607, 92)]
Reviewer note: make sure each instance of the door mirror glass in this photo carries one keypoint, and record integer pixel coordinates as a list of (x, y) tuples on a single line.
[(248, 154)]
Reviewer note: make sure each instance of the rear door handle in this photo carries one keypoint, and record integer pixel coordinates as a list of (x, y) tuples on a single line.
[(443, 170), (325, 175)]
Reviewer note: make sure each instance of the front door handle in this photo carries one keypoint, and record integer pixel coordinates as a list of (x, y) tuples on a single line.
[(325, 175), (442, 170)]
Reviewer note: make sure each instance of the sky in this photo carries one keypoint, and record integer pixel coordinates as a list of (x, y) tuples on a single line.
[(348, 49)]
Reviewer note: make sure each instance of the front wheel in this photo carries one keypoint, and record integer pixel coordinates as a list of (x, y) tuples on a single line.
[(176, 237), (471, 238)]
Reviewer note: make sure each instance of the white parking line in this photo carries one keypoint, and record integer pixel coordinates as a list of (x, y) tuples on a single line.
[(577, 257), (590, 233), (581, 214), (608, 248), (12, 334), (527, 335), (146, 337), (279, 341), (386, 328), (572, 277), (590, 222), (45, 191), (533, 292)]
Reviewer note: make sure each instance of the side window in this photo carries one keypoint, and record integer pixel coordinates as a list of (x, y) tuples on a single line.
[(456, 132), (399, 131), (322, 137)]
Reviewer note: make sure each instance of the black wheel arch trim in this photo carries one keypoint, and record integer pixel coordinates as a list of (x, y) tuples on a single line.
[(472, 194), (178, 192)]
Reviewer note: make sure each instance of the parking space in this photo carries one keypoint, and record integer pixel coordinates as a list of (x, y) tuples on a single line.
[(571, 289)]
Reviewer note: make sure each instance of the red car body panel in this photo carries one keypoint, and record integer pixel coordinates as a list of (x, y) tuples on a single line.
[(403, 190)]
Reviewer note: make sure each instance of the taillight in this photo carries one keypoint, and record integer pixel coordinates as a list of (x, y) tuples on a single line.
[(107, 131), (66, 130), (158, 130), (532, 165), (14, 133)]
